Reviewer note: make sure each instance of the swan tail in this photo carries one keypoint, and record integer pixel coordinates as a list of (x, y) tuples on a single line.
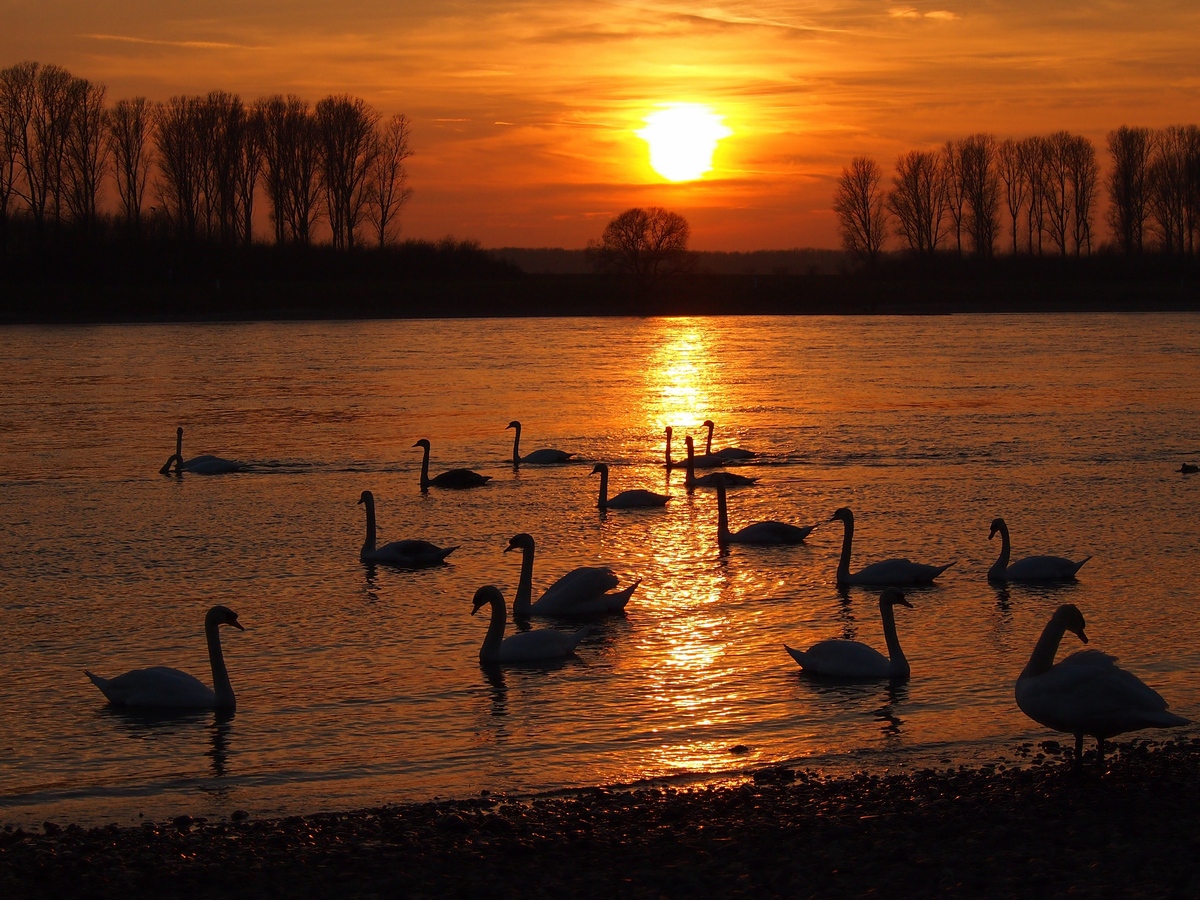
[(797, 655), (617, 600), (101, 683), (577, 637), (1080, 564)]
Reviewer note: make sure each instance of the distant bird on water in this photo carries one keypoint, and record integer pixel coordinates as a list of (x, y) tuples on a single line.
[(636, 497), (889, 571), (1031, 568), (584, 591), (768, 533), (539, 645), (729, 479), (724, 452), (542, 457), (855, 660), (454, 478), (1086, 693), (1189, 469), (408, 554), (199, 465), (699, 462)]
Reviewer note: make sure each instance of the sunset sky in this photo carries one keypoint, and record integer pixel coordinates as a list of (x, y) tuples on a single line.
[(524, 114)]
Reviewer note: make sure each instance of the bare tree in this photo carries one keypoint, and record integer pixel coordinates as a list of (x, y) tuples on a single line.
[(918, 201), (645, 244), (1035, 155), (1011, 167), (38, 103), (389, 189), (129, 129), (11, 130), (231, 162), (980, 189), (1083, 174), (86, 153), (346, 127), (291, 164), (860, 206), (1170, 200), (1132, 150), (954, 189), (181, 165)]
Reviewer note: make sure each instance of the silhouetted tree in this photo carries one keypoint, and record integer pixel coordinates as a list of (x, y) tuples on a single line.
[(918, 201), (10, 125), (1173, 204), (346, 127), (980, 190), (388, 179), (1083, 174), (1012, 170), (1132, 150), (1035, 155), (291, 161), (86, 158), (129, 129), (859, 202), (181, 164), (229, 161), (954, 189), (645, 244)]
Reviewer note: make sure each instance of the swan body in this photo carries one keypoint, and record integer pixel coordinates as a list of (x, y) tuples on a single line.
[(410, 554), (769, 533), (1086, 693), (206, 464), (1031, 568), (727, 478), (888, 571), (853, 659), (539, 645), (724, 452), (707, 461), (455, 478), (631, 499), (1189, 469), (165, 688), (585, 591), (542, 457)]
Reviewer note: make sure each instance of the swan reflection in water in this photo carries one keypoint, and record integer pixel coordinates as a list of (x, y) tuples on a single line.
[(163, 725)]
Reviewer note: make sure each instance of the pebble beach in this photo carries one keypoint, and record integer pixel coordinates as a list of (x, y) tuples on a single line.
[(1127, 826)]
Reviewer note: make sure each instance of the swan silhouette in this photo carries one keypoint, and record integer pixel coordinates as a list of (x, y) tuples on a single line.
[(1031, 568), (537, 457), (1189, 469), (853, 659), (724, 452), (770, 532), (538, 645), (581, 592), (199, 465), (163, 687), (730, 479), (637, 497), (888, 571), (408, 554), (1086, 693), (698, 462), (455, 478)]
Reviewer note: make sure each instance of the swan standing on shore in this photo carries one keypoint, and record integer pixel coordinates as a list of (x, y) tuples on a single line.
[(165, 688), (853, 659), (454, 478), (409, 554), (888, 571), (724, 452), (525, 646), (730, 479), (542, 457), (581, 592), (1086, 693), (206, 464), (698, 462), (768, 533), (631, 499), (1031, 568)]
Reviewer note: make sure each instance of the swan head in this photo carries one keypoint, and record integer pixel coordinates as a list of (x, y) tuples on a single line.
[(487, 595), (179, 432), (223, 615), (893, 596), (669, 431), (171, 460), (513, 424), (520, 541), (367, 497), (423, 442), (708, 423), (1071, 619), (843, 515), (997, 525), (602, 468)]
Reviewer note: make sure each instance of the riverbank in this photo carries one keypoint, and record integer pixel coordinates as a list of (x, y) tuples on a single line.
[(1034, 829)]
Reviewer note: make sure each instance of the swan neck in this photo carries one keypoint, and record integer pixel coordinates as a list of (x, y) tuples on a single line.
[(708, 442), (220, 675), (999, 568), (495, 633), (424, 467), (516, 446), (523, 600), (1041, 660), (722, 516), (843, 569), (603, 502), (369, 543), (179, 445), (668, 454), (895, 654)]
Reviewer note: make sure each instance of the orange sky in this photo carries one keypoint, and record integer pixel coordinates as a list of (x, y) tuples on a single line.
[(524, 113)]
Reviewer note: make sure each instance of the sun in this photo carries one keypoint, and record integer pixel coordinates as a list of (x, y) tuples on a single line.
[(682, 139)]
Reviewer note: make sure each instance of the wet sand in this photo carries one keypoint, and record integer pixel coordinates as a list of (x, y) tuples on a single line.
[(1032, 828)]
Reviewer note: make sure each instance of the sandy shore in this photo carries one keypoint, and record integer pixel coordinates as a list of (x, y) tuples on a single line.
[(1034, 829)]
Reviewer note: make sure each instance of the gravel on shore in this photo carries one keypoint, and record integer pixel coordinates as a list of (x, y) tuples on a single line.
[(1037, 828)]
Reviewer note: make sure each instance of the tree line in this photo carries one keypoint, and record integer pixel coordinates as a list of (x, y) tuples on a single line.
[(195, 165), (1036, 196)]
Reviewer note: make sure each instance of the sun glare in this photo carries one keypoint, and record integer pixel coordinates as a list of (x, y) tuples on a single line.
[(682, 139)]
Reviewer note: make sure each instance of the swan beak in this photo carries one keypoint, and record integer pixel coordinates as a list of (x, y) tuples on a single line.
[(475, 607), (1083, 637), (992, 534)]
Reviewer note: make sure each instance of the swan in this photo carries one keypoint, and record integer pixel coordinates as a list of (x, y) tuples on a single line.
[(1189, 469), (199, 465), (724, 452), (163, 687), (409, 554), (537, 457), (1031, 568), (525, 646), (455, 478), (769, 532), (700, 462), (727, 478), (889, 571), (626, 499), (1086, 693), (853, 659), (581, 592)]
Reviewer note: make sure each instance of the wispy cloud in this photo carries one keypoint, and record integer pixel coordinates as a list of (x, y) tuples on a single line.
[(909, 12), (190, 45)]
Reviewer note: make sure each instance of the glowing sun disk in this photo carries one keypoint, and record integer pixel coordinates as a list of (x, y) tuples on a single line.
[(682, 139)]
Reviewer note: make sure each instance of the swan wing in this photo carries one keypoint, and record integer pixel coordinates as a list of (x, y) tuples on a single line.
[(157, 686), (546, 456), (842, 659), (637, 497), (540, 644), (772, 532), (410, 553), (735, 453), (581, 585), (212, 465), (897, 571), (460, 478), (1043, 568)]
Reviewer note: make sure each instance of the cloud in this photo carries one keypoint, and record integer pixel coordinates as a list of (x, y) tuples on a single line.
[(189, 45), (909, 12)]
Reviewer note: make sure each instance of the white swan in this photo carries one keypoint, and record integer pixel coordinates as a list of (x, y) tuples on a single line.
[(525, 646), (888, 571), (581, 592), (729, 479), (455, 478), (1031, 568), (853, 659), (724, 452), (163, 687), (700, 462), (199, 465), (409, 554), (1086, 693), (769, 532), (637, 497), (542, 457)]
